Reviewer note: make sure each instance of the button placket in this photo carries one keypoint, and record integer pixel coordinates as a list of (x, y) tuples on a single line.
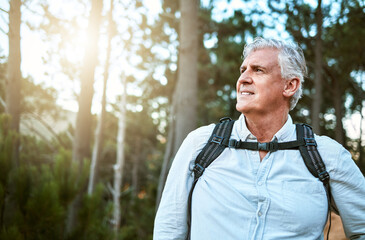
[(262, 194)]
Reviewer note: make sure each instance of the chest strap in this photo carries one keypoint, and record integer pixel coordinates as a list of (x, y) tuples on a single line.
[(268, 146)]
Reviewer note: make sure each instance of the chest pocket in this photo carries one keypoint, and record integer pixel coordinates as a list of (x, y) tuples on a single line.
[(304, 206)]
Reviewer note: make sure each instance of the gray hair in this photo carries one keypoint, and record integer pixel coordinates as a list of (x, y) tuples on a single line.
[(291, 60)]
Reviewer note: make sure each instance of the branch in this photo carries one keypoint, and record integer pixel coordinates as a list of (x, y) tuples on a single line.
[(3, 31), (3, 10), (3, 103), (110, 188), (357, 88), (31, 10), (31, 128), (168, 15), (327, 69), (4, 19), (48, 127)]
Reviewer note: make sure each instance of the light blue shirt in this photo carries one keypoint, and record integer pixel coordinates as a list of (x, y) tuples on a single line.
[(240, 197)]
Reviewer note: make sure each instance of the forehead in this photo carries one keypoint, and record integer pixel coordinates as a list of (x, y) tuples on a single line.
[(262, 57)]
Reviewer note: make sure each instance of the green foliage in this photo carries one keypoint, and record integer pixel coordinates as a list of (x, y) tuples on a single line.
[(343, 55), (39, 213), (35, 195), (11, 233), (138, 214), (66, 175), (7, 139), (94, 217)]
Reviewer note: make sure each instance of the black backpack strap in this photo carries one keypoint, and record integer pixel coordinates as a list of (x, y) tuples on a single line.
[(310, 154), (216, 144), (314, 162), (266, 146)]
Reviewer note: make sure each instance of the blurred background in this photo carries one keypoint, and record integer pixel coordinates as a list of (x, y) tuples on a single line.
[(97, 96)]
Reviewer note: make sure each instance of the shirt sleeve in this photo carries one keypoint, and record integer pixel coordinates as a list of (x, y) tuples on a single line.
[(171, 216), (348, 192)]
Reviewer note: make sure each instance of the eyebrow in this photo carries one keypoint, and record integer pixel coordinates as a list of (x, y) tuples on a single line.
[(254, 66)]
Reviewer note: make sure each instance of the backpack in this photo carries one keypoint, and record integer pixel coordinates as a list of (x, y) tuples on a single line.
[(220, 140)]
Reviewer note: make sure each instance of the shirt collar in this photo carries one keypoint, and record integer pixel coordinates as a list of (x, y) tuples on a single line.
[(282, 135)]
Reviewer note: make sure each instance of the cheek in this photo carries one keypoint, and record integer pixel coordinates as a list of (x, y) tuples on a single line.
[(237, 85)]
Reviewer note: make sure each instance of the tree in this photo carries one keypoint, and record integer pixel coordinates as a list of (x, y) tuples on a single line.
[(337, 62), (317, 100), (185, 98), (345, 63), (118, 167), (13, 85), (81, 146), (100, 125)]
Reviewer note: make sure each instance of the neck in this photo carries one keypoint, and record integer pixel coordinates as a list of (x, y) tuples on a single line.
[(265, 127)]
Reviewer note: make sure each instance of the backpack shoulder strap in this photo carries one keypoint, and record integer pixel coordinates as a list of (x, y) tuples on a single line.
[(310, 154), (216, 144), (314, 163)]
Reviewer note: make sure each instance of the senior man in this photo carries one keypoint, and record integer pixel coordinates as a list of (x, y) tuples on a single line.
[(260, 194)]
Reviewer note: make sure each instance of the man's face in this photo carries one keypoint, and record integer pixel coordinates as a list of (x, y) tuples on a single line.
[(260, 86)]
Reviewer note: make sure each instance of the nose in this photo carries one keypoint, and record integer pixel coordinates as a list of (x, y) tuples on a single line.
[(245, 78)]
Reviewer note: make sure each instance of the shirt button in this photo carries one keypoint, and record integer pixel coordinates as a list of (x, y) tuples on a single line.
[(259, 183), (259, 213)]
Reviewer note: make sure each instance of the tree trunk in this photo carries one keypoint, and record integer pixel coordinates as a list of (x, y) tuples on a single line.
[(135, 169), (337, 102), (317, 99), (99, 132), (167, 160), (12, 104), (118, 167), (361, 160), (186, 92), (81, 144), (81, 147), (13, 83), (185, 96)]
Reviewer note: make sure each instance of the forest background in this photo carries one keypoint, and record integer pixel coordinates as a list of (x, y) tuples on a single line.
[(96, 97)]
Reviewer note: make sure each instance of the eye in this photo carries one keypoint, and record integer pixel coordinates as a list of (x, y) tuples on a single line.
[(242, 70), (258, 70)]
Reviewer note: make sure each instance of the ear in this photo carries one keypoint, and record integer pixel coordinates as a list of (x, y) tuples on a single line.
[(291, 86)]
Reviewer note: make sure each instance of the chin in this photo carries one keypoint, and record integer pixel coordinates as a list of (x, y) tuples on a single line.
[(242, 108)]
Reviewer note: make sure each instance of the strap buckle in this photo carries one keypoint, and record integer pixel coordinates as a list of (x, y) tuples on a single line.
[(217, 139), (263, 146), (310, 142), (307, 125), (324, 176), (268, 146), (198, 170), (233, 143), (225, 119)]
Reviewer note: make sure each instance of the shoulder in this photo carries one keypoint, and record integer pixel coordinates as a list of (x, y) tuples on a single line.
[(190, 148), (327, 143), (332, 152), (200, 136)]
